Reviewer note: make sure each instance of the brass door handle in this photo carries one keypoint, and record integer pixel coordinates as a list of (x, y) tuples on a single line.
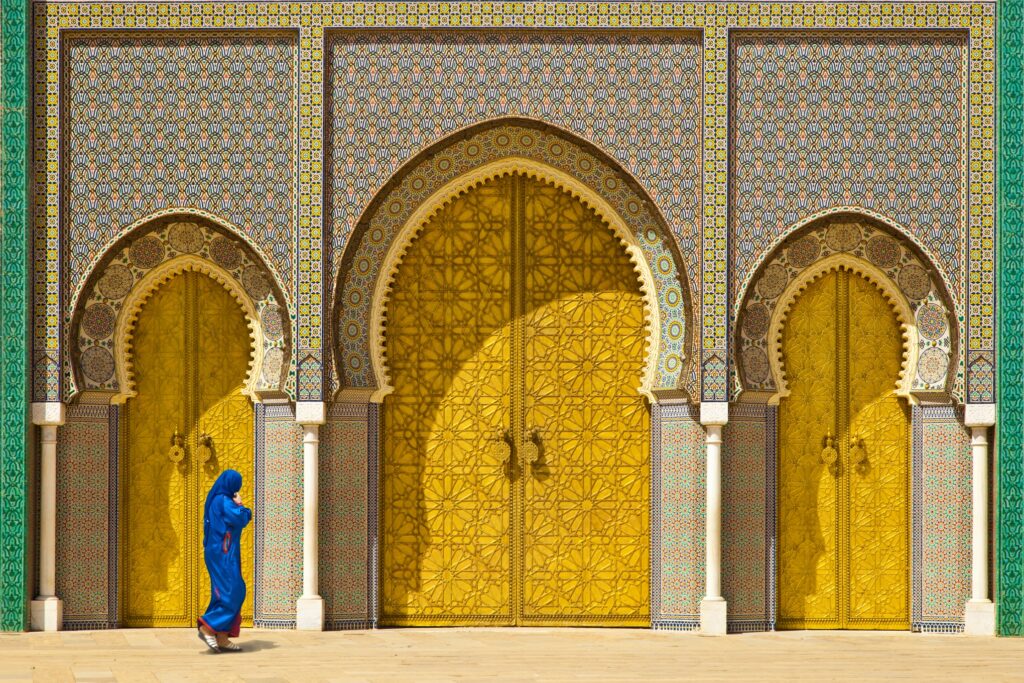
[(177, 452), (502, 446), (531, 446), (858, 453), (205, 447), (829, 454)]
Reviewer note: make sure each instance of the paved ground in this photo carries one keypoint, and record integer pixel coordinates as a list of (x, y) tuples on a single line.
[(428, 655)]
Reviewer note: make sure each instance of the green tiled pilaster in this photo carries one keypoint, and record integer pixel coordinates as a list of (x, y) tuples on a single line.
[(13, 316), (1010, 425)]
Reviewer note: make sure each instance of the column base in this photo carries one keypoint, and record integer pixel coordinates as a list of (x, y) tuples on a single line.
[(47, 614), (712, 617), (980, 618), (309, 613)]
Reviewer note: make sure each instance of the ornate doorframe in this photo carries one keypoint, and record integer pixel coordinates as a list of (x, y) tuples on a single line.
[(469, 157)]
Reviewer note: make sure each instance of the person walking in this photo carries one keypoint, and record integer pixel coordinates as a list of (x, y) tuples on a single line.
[(224, 517)]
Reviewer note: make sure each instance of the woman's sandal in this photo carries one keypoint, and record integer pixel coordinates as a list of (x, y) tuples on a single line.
[(209, 641), (230, 647)]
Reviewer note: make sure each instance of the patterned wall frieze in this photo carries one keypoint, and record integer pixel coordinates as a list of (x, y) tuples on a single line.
[(366, 266), (1009, 585), (14, 288), (937, 365), (104, 312)]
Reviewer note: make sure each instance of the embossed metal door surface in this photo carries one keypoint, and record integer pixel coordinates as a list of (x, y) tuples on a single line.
[(446, 499), (843, 466), (189, 421), (515, 470), (586, 528)]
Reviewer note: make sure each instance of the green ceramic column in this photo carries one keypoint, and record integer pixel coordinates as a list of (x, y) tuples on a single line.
[(1010, 425), (13, 317)]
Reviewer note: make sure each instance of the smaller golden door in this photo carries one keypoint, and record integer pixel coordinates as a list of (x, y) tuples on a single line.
[(843, 471), (188, 422)]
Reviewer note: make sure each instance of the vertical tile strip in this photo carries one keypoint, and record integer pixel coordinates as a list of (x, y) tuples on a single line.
[(655, 514), (771, 496), (13, 312), (1010, 425), (373, 510), (259, 441), (113, 512), (916, 472)]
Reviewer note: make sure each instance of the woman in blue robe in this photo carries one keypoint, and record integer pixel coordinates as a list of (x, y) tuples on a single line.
[(224, 517)]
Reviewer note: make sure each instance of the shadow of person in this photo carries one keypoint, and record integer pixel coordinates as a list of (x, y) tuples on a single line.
[(256, 645)]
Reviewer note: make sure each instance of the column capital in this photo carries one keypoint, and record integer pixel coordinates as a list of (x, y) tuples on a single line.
[(980, 414), (48, 413), (310, 412), (714, 413)]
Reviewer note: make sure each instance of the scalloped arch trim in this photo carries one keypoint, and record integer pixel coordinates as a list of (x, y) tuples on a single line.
[(125, 326), (872, 274), (464, 184)]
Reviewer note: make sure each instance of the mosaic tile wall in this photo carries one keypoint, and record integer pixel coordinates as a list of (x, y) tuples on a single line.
[(86, 538), (868, 119), (160, 121), (345, 465), (748, 517), (942, 520), (279, 526), (677, 523)]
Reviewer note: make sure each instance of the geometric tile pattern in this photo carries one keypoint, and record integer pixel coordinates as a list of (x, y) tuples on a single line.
[(84, 496), (279, 526), (1009, 585), (635, 96), (344, 516), (869, 119), (171, 120), (748, 527), (898, 259), (678, 521), (475, 148), (942, 519)]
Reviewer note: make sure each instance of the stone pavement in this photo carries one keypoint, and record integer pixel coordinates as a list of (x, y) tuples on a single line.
[(534, 654)]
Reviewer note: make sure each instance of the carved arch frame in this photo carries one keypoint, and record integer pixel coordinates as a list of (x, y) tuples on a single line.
[(819, 269), (466, 183), (932, 367), (122, 280), (509, 145)]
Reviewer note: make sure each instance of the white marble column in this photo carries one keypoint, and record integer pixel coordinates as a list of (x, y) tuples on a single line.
[(713, 607), (980, 613), (47, 612), (309, 612)]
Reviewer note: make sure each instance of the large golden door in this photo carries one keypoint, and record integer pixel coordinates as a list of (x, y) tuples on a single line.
[(843, 466), (189, 422), (515, 470)]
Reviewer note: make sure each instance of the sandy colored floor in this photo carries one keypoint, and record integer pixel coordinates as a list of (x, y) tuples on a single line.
[(426, 655)]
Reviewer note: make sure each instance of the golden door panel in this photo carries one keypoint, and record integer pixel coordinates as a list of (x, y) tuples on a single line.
[(878, 472), (851, 491), (586, 499), (484, 330), (445, 486), (191, 353), (807, 488), (158, 558), (223, 430)]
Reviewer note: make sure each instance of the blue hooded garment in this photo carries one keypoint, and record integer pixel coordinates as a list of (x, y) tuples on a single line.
[(223, 521)]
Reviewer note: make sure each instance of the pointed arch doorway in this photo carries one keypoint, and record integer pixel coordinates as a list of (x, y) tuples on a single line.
[(515, 478), (188, 421), (843, 460)]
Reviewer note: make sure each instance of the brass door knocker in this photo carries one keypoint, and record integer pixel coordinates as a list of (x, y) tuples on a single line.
[(829, 454), (205, 448), (177, 452)]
